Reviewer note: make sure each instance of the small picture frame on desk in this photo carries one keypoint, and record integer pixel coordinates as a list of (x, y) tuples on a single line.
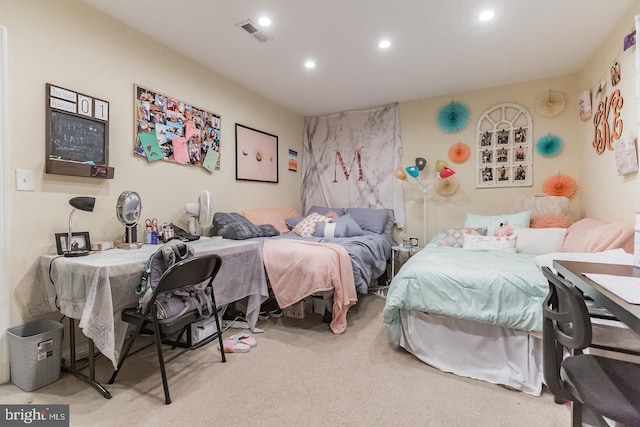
[(79, 241)]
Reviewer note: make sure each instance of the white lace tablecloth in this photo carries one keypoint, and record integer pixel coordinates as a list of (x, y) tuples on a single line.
[(96, 288)]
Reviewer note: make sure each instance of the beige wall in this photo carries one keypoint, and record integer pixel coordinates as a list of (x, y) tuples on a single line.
[(606, 195), (422, 137), (69, 44), (601, 192)]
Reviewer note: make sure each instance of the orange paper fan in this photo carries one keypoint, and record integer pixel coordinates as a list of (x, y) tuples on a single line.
[(560, 185), (459, 152)]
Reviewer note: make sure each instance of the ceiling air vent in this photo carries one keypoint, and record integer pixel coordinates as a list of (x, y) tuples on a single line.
[(253, 31)]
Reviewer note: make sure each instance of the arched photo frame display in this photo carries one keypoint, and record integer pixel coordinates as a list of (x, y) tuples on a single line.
[(504, 156)]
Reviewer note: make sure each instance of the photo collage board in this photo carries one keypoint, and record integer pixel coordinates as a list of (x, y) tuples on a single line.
[(504, 147), (172, 130)]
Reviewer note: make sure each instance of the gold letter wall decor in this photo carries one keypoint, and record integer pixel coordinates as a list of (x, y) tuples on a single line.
[(604, 133)]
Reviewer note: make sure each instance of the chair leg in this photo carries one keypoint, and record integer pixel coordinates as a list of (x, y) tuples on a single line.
[(125, 353), (163, 372), (215, 314), (576, 414)]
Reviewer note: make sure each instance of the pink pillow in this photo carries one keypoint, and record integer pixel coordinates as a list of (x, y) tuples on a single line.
[(551, 221), (273, 216), (592, 235)]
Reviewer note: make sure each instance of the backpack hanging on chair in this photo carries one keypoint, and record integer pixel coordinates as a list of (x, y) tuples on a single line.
[(172, 305)]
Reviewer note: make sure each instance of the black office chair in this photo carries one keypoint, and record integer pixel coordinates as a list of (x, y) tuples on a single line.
[(183, 274), (608, 387)]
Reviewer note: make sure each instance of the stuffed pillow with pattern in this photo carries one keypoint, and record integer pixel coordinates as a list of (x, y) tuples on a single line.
[(307, 227), (454, 237)]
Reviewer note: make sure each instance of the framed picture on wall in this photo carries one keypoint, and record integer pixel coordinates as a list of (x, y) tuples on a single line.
[(503, 148), (256, 155)]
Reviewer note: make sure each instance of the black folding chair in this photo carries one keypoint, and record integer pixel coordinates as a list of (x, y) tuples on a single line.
[(179, 277), (608, 387)]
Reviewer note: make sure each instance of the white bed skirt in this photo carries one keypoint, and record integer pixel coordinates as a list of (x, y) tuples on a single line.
[(475, 350)]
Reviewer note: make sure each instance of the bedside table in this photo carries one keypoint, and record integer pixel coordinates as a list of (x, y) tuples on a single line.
[(399, 249)]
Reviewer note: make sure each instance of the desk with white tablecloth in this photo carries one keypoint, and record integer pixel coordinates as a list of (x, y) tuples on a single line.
[(96, 288)]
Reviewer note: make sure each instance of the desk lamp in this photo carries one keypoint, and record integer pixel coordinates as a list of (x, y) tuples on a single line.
[(84, 204)]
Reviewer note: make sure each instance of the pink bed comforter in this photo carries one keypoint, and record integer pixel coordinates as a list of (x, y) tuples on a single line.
[(298, 269)]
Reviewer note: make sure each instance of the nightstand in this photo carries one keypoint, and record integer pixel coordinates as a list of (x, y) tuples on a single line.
[(395, 253), (381, 291)]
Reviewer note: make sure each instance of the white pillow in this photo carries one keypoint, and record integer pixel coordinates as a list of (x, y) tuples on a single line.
[(489, 243), (538, 241)]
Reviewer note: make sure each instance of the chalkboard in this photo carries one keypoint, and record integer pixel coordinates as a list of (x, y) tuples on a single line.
[(75, 138), (77, 134)]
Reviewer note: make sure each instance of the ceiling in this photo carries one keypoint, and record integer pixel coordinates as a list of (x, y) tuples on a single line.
[(437, 47)]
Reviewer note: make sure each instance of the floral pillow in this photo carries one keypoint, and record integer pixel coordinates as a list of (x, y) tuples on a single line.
[(454, 237), (307, 227)]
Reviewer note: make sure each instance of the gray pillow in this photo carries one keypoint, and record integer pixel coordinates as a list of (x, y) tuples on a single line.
[(330, 229), (390, 223), (293, 221), (323, 210), (369, 219), (352, 227)]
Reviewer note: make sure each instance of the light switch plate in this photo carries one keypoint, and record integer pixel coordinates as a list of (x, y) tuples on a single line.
[(24, 180)]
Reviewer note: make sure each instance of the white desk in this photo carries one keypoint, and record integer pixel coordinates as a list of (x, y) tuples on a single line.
[(96, 288)]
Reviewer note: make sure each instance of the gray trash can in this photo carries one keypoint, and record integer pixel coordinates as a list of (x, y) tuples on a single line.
[(34, 353)]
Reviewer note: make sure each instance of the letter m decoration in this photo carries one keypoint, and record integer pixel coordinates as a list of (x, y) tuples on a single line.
[(357, 159)]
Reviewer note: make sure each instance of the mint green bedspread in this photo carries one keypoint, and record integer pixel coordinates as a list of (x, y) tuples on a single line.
[(492, 287)]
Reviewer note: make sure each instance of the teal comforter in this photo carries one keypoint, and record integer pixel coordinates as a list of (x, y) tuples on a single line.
[(492, 287)]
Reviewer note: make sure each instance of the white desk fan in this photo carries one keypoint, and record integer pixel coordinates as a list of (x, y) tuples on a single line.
[(128, 210), (200, 213)]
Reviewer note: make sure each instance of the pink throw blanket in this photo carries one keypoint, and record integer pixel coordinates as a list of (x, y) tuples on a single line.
[(298, 269)]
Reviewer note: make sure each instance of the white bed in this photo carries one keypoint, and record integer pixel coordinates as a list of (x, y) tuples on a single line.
[(475, 350), (474, 314), (478, 314)]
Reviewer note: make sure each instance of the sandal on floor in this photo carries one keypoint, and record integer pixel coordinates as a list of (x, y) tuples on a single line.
[(233, 346), (244, 339)]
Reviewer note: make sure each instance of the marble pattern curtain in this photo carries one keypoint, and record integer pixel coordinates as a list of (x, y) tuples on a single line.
[(348, 160), (637, 19)]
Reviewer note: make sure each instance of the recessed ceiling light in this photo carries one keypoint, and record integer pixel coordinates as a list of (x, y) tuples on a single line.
[(487, 15), (264, 21), (384, 44), (310, 64)]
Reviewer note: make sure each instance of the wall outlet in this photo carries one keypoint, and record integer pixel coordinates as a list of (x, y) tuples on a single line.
[(24, 180)]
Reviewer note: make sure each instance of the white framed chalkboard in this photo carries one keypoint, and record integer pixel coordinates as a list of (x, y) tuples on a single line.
[(77, 134)]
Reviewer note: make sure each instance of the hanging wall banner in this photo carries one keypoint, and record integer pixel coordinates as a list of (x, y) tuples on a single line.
[(169, 129)]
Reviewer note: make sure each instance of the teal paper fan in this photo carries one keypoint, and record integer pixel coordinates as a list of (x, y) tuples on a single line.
[(548, 145), (453, 117)]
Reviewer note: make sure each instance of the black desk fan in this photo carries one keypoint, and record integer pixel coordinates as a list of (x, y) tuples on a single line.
[(128, 210)]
